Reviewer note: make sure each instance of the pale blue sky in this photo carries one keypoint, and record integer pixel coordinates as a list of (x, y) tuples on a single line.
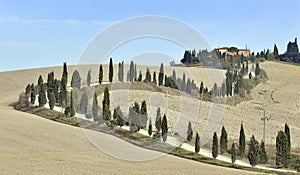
[(46, 33)]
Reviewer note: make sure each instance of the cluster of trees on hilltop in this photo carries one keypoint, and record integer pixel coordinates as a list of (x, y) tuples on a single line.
[(204, 57), (291, 55)]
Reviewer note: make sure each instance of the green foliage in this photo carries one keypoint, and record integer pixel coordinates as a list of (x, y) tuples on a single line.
[(150, 127), (215, 147), (52, 101), (148, 76), (154, 78), (287, 132), (50, 84), (121, 72), (164, 128), (76, 80), (257, 69), (223, 141), (72, 108), (197, 143), (106, 105), (233, 153), (131, 72), (144, 115), (100, 77), (201, 88), (189, 132), (27, 89), (140, 77), (161, 75), (42, 94), (32, 93), (242, 142), (83, 103), (63, 86), (158, 120), (263, 153), (95, 110), (88, 78), (282, 150), (111, 70), (120, 120), (253, 152)]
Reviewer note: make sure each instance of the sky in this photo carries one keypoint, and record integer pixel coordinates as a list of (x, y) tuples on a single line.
[(47, 33)]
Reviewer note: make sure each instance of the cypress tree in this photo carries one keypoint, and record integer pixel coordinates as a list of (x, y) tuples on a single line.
[(88, 78), (56, 89), (72, 109), (263, 153), (42, 94), (83, 103), (100, 77), (131, 71), (233, 153), (135, 72), (95, 110), (76, 80), (154, 78), (27, 89), (158, 120), (201, 88), (215, 146), (111, 70), (242, 142), (52, 101), (32, 94), (188, 86), (150, 127), (63, 86), (144, 114), (282, 150), (189, 132), (106, 105), (183, 83), (119, 72), (164, 128), (287, 132), (197, 143), (174, 75), (257, 69), (120, 120), (50, 84), (275, 52), (148, 76), (140, 77), (253, 152), (122, 72), (223, 141), (161, 75)]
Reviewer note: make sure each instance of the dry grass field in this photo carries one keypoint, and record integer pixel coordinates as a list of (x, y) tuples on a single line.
[(33, 145), (30, 144)]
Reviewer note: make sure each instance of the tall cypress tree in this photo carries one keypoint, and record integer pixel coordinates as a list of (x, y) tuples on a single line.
[(154, 78), (148, 76), (144, 114), (215, 147), (257, 69), (223, 141), (95, 110), (111, 70), (201, 88), (287, 132), (88, 78), (158, 120), (83, 103), (32, 93), (150, 127), (189, 132), (100, 77), (106, 105), (76, 80), (242, 142), (282, 150), (131, 71), (120, 120), (52, 101), (263, 153), (161, 75), (72, 108), (275, 52), (197, 143), (253, 152), (42, 95), (164, 128), (63, 86), (233, 153)]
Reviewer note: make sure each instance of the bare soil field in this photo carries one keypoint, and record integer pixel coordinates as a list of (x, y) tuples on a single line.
[(30, 144)]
